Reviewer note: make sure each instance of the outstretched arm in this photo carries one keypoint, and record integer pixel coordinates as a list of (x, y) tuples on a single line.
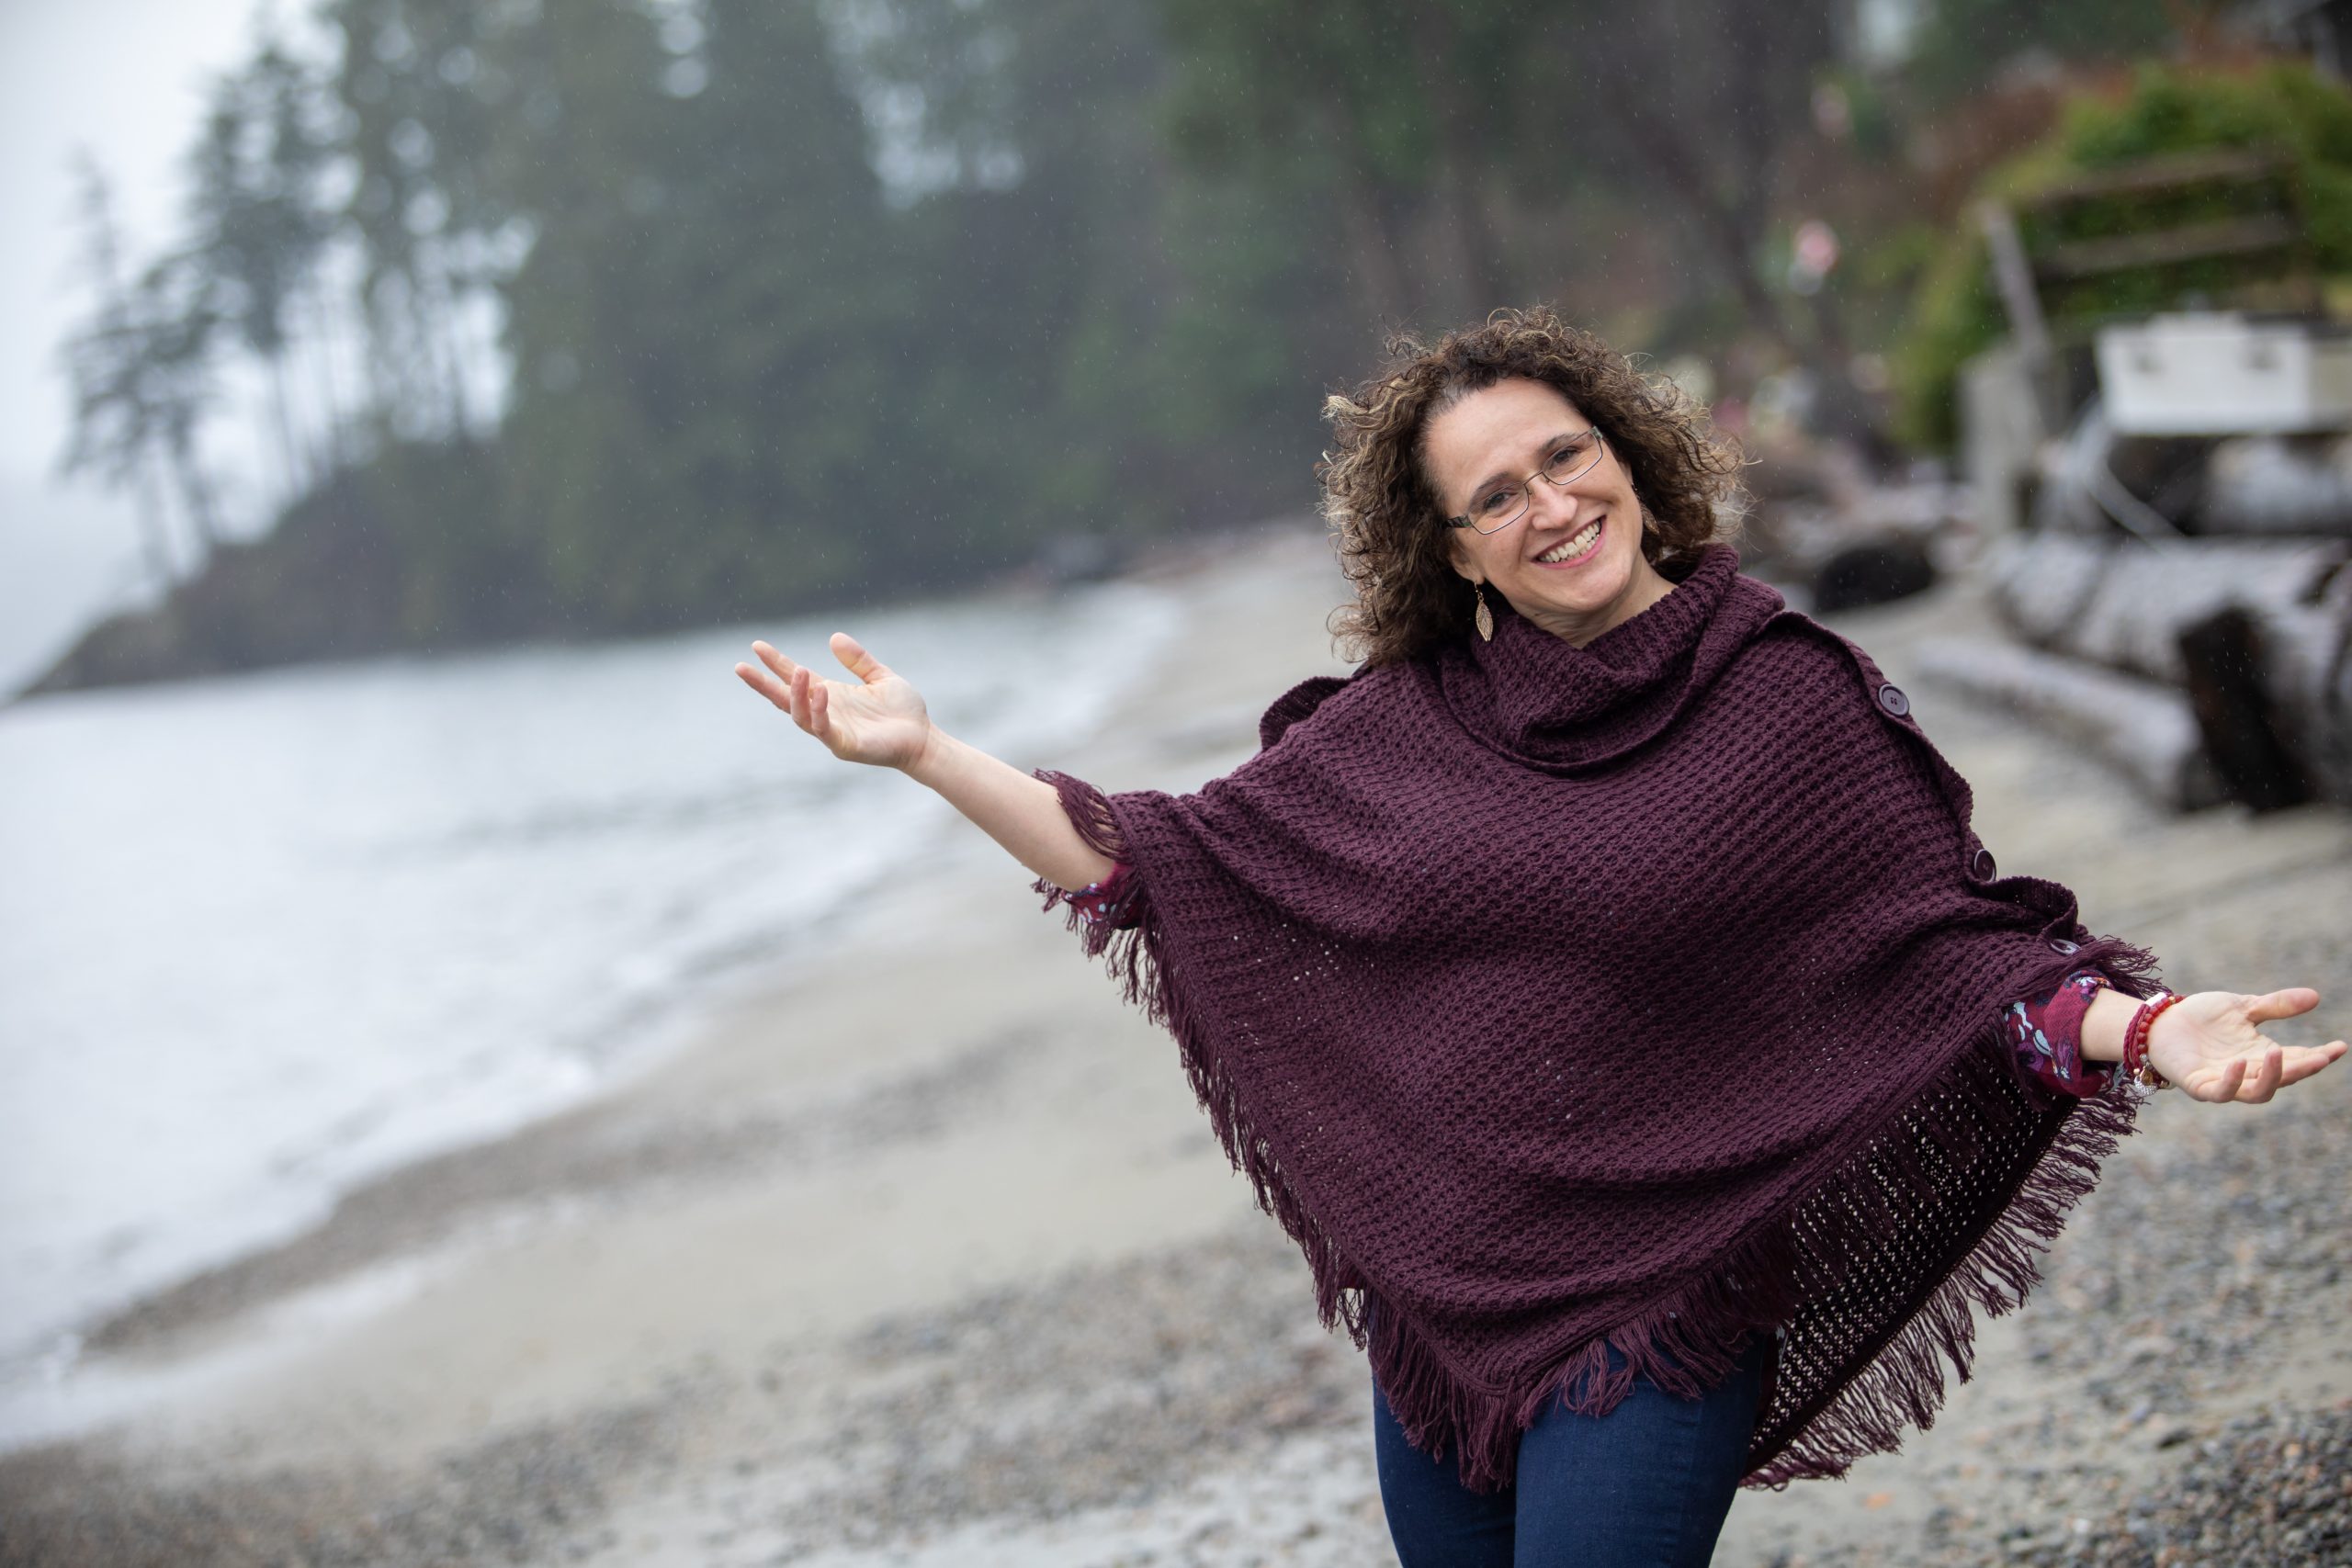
[(880, 719), (1023, 813)]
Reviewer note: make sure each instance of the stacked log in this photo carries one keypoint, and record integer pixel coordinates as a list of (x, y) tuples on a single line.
[(2273, 484), (2120, 601), (2209, 669), (2145, 730), (2306, 658)]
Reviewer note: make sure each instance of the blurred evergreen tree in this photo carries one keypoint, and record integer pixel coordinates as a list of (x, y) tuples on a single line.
[(257, 223), (441, 102), (698, 329), (143, 370), (118, 407)]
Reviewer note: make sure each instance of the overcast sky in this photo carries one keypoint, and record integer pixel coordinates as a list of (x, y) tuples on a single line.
[(124, 79)]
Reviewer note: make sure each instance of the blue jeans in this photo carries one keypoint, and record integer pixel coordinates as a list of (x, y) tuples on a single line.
[(1648, 1484)]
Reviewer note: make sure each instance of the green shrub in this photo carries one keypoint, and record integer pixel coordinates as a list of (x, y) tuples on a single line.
[(1957, 312)]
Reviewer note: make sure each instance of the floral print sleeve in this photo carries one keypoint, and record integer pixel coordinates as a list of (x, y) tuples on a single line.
[(2045, 1034), (1111, 899)]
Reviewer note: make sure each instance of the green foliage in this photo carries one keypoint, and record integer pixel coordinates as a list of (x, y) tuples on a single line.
[(1956, 311)]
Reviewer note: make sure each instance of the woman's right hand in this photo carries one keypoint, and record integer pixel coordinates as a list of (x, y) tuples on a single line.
[(879, 717)]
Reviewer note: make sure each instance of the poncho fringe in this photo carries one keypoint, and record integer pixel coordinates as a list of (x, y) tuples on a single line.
[(1689, 1341)]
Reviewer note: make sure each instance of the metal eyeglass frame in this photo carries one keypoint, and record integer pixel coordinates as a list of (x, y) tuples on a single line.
[(1527, 485)]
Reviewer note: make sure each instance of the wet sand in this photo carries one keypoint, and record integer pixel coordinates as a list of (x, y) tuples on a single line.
[(922, 1252)]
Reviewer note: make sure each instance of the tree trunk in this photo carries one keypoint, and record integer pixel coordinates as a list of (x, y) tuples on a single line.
[(330, 457), (154, 527), (195, 489), (289, 455), (1378, 281), (1477, 272)]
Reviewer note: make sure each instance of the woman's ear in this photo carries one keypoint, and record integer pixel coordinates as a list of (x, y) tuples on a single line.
[(1457, 556)]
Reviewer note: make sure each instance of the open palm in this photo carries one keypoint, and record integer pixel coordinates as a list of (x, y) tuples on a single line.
[(2210, 1043), (879, 717)]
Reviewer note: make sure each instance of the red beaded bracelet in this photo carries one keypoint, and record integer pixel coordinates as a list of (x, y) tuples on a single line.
[(2135, 1041)]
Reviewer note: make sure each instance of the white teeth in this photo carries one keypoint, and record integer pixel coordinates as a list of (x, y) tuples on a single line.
[(1582, 542)]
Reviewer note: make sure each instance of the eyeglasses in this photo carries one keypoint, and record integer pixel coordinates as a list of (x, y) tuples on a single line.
[(1498, 506)]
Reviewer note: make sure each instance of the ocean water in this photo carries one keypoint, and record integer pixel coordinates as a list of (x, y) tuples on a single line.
[(262, 937)]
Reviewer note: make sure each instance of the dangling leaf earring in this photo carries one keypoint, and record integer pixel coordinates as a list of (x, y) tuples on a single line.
[(1485, 617)]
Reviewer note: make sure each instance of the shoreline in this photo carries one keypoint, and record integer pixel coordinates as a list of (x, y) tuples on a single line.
[(434, 1188), (171, 637), (739, 1104), (921, 1245)]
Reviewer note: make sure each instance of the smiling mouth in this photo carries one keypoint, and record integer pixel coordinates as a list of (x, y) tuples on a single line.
[(1573, 547)]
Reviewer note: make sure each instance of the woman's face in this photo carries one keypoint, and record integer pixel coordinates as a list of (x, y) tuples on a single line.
[(1551, 564)]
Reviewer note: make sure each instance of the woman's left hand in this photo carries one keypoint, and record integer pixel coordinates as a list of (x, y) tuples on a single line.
[(2210, 1044)]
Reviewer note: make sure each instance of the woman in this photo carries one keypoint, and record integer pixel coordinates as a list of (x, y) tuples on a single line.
[(1603, 985)]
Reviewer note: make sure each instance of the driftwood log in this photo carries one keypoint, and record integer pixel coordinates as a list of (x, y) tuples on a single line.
[(2277, 485), (2301, 652), (2253, 637), (2142, 729)]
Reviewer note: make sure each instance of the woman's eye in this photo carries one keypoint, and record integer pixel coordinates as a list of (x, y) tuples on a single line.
[(1492, 502)]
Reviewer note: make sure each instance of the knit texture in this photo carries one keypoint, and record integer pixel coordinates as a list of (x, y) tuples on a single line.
[(1642, 995)]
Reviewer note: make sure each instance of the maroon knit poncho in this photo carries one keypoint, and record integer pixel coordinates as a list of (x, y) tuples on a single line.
[(1643, 994)]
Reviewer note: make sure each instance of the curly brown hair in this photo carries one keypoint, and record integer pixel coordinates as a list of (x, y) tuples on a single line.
[(1384, 512)]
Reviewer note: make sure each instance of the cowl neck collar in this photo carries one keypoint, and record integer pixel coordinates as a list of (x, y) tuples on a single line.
[(1537, 698)]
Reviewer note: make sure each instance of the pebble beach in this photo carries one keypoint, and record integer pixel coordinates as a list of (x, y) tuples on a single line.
[(920, 1253)]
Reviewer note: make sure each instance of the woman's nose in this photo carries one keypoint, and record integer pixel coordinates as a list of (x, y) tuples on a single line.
[(1554, 503)]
